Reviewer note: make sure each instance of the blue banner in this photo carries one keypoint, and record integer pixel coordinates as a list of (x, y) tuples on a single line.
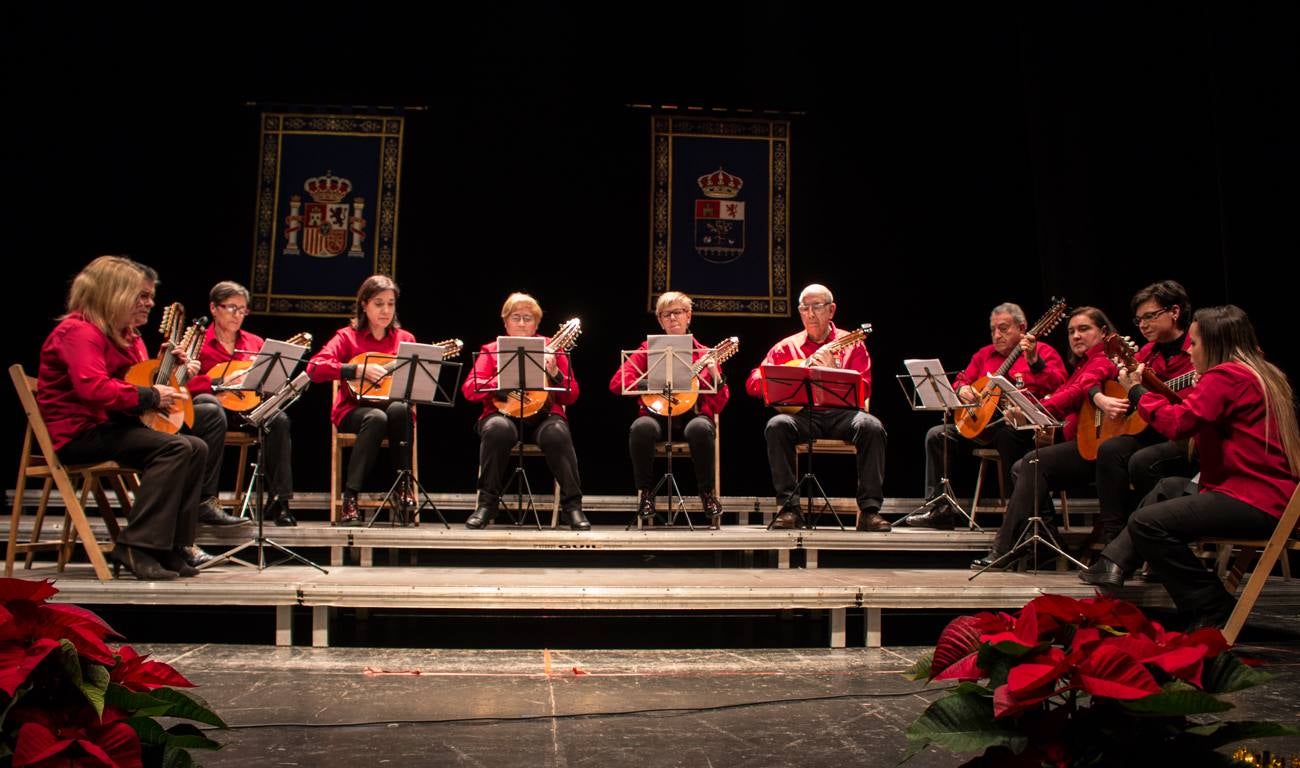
[(328, 188)]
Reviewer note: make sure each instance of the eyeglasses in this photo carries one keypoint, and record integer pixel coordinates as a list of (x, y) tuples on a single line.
[(525, 319), (234, 309), (808, 309), (1149, 316), (673, 313)]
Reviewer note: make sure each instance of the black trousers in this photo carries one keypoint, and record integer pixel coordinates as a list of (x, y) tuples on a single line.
[(1059, 467), (1121, 549), (785, 431), (1140, 460), (166, 509), (210, 427), (497, 436), (372, 424), (648, 430), (1161, 533), (1010, 444), (275, 457)]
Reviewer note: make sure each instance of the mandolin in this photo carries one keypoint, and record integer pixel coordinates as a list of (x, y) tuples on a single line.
[(232, 372), (528, 403), (681, 402), (970, 422), (164, 371), (1095, 427), (835, 347), (383, 389)]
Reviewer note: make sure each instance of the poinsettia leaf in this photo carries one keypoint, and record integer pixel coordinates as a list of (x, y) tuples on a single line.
[(957, 641), (963, 723), (93, 686), (70, 661), (1214, 735), (141, 704), (975, 688), (1177, 703), (1008, 704), (921, 669), (188, 705), (17, 662), (187, 736), (1114, 674), (966, 669), (1225, 673), (177, 758), (24, 589)]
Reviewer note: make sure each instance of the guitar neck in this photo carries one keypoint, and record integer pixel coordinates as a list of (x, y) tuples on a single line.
[(1010, 361)]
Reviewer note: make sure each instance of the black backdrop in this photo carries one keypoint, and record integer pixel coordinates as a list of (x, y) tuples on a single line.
[(943, 160)]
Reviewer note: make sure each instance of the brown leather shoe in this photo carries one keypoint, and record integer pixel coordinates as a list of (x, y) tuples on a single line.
[(873, 522), (350, 514), (789, 518)]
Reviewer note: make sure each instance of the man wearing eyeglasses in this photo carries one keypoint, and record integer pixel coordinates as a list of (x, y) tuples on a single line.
[(673, 310), (1162, 312), (785, 431)]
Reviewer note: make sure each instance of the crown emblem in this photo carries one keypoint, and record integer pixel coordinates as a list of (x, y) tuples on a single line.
[(720, 184), (328, 188)]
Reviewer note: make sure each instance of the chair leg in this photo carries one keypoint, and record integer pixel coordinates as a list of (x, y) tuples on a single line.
[(555, 507), (14, 518), (1065, 512), (336, 487), (240, 474), (39, 522), (979, 485)]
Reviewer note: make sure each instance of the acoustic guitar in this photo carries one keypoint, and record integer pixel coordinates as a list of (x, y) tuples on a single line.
[(383, 389), (232, 372), (970, 422), (1095, 427), (835, 347), (528, 403), (163, 370), (681, 402)]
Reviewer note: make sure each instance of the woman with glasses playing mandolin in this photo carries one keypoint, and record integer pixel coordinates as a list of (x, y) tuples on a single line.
[(228, 352), (374, 331), (696, 410), (543, 418)]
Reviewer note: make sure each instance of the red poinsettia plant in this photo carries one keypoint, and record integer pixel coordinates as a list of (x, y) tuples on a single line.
[(1068, 682), (68, 699)]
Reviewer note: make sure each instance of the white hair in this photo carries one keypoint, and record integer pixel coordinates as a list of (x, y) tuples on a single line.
[(819, 290)]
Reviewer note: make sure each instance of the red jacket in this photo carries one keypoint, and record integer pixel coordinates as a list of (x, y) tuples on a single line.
[(212, 353), (709, 404), (79, 381), (1050, 375), (1165, 369), (799, 347), (1238, 441), (327, 364), (1066, 401), (478, 386)]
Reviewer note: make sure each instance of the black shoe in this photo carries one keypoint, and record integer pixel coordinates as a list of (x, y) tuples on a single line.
[(1103, 573), (712, 507), (140, 563), (790, 517), (940, 517), (195, 557), (1148, 575), (211, 513), (1211, 618), (872, 522), (351, 514), (279, 509), (175, 561), (992, 557), (577, 520), (482, 516)]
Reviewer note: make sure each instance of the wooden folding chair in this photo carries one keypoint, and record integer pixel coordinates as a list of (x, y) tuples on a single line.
[(1283, 540), (89, 479)]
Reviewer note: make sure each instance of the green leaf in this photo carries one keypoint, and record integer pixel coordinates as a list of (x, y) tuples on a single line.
[(1225, 673), (95, 687), (963, 723), (181, 735), (921, 669), (188, 705), (70, 661), (1215, 735), (136, 703), (1176, 702), (975, 688), (177, 758)]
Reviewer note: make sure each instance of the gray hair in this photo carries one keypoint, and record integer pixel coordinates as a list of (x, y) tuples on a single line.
[(819, 289), (1007, 308)]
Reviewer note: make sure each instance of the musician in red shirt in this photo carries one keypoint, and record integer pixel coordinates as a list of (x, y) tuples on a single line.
[(1037, 366), (785, 431), (673, 310), (1242, 415), (93, 414), (375, 329), (548, 428)]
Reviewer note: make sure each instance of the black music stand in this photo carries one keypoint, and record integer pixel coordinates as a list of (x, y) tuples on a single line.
[(273, 368), (416, 371), (668, 372), (808, 388), (1031, 415), (931, 391)]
